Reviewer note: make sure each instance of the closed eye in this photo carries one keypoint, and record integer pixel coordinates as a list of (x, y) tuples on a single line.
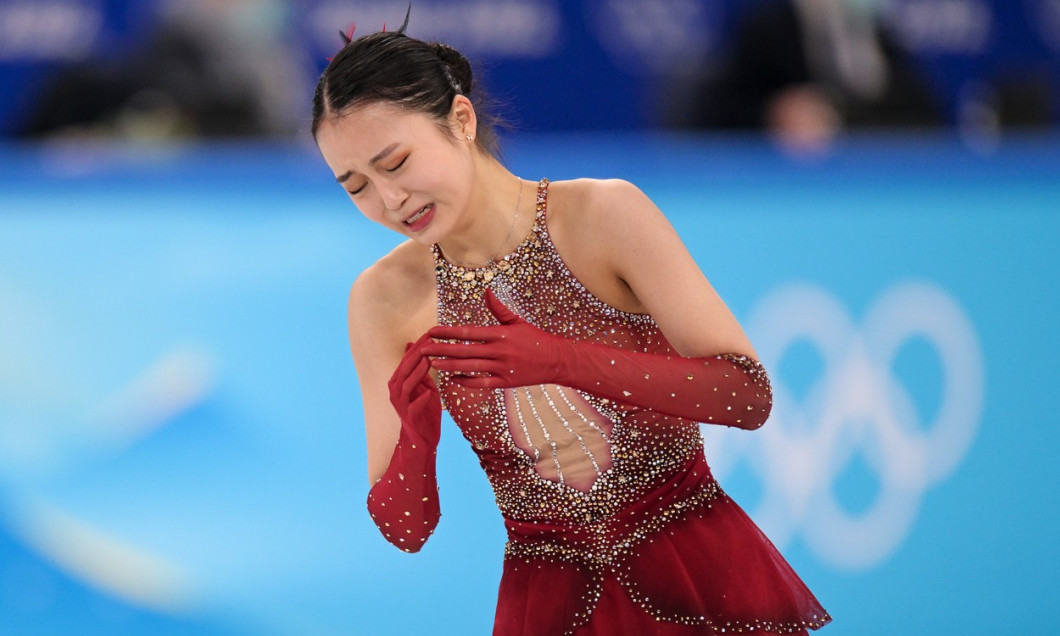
[(358, 190), (400, 163)]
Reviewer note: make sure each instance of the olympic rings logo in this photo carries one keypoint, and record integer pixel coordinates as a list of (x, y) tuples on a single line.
[(857, 405)]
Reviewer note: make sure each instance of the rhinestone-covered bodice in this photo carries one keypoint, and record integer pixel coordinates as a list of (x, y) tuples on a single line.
[(553, 454), (597, 493)]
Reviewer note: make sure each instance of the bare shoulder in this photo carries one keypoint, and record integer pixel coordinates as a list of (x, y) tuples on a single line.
[(599, 227), (609, 213), (624, 249), (591, 199), (394, 299)]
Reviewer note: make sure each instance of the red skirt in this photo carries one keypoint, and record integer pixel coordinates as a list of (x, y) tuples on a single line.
[(684, 560)]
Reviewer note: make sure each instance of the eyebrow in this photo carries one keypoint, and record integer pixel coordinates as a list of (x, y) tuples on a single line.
[(342, 178)]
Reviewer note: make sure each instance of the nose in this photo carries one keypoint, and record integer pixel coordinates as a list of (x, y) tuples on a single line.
[(393, 196)]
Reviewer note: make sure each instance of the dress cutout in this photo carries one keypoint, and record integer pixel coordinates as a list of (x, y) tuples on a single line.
[(615, 523)]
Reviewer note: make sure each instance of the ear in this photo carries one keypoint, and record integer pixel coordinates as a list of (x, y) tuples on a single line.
[(462, 117)]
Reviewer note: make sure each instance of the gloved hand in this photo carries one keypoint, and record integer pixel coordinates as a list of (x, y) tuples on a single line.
[(726, 389), (404, 502), (514, 354), (415, 396)]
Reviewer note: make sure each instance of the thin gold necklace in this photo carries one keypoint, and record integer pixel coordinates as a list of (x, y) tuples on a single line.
[(492, 262), (511, 228)]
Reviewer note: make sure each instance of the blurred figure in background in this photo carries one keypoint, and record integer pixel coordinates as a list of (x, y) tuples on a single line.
[(213, 68), (803, 70)]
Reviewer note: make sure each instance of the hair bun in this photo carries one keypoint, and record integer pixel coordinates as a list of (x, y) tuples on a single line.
[(458, 65)]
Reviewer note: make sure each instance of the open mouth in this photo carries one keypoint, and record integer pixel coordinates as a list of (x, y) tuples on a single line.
[(419, 215)]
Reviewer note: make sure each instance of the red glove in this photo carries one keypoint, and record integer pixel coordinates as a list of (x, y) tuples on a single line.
[(404, 502), (726, 389)]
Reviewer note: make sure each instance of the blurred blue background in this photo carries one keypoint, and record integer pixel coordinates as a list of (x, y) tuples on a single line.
[(180, 430)]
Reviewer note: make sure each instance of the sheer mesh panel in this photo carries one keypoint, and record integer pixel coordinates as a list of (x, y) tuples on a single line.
[(567, 438)]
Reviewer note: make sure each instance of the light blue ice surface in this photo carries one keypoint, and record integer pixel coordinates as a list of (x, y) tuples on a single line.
[(180, 430)]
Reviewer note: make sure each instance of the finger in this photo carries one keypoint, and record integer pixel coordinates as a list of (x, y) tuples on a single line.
[(427, 414), (400, 374), (425, 417), (411, 356), (427, 423), (499, 310), (397, 379), (460, 350), (415, 377), (422, 369), (481, 381), (466, 365), (427, 383), (426, 337), (415, 352), (419, 392), (464, 332)]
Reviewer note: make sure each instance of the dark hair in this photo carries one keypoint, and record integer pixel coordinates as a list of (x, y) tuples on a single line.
[(392, 67)]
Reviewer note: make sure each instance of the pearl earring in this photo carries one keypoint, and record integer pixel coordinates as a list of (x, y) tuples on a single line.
[(470, 137)]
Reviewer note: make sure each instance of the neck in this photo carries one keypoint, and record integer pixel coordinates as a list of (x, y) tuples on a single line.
[(495, 221)]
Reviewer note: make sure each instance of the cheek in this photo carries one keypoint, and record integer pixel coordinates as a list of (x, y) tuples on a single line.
[(369, 209)]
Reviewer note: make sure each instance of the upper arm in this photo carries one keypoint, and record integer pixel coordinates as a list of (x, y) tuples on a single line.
[(380, 324), (645, 252)]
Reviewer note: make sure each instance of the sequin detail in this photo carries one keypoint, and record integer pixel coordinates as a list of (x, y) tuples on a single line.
[(571, 471), (531, 483)]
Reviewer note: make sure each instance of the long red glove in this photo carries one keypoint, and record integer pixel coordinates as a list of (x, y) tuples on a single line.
[(404, 502), (727, 389)]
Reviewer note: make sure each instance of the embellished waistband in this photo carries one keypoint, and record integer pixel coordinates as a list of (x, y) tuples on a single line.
[(604, 544)]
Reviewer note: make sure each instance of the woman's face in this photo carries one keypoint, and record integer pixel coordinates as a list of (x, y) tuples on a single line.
[(400, 168)]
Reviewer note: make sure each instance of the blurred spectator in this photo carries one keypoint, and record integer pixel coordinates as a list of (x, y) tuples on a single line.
[(213, 68), (805, 69)]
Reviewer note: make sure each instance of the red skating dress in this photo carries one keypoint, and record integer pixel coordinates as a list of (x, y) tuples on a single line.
[(615, 524)]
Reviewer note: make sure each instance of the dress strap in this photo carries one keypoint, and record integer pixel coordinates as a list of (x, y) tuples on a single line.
[(542, 202), (540, 215)]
